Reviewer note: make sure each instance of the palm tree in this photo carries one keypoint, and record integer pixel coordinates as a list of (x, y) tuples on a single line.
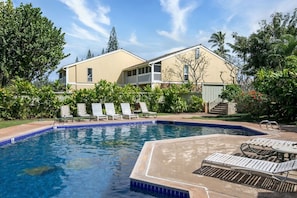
[(218, 40), (240, 47), (286, 45), (282, 48)]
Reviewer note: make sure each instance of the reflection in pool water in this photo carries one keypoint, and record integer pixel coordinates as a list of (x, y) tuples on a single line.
[(84, 162)]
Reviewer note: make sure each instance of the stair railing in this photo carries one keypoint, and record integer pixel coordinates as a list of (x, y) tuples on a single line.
[(214, 103)]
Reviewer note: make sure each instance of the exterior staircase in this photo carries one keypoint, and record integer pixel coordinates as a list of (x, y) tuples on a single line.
[(221, 109)]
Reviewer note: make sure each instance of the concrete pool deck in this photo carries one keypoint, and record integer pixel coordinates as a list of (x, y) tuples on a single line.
[(173, 162)]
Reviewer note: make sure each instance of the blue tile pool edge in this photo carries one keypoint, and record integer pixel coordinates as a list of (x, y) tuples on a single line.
[(25, 136), (16, 139), (233, 126), (157, 190)]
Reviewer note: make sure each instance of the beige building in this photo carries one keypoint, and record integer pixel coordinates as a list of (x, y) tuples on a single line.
[(196, 64), (109, 67), (206, 70)]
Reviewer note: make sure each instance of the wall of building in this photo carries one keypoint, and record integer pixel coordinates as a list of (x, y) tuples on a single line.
[(215, 71), (106, 67)]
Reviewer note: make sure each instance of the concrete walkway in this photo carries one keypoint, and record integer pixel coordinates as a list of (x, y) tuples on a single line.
[(173, 162)]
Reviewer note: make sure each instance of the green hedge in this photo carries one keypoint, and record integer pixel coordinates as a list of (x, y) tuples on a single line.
[(23, 100)]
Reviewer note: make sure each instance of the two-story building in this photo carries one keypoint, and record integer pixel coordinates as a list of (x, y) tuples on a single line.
[(197, 64)]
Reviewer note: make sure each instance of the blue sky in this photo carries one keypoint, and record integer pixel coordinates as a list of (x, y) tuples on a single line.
[(150, 28)]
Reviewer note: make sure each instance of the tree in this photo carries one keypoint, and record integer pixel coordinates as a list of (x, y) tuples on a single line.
[(196, 68), (218, 40), (89, 54), (281, 88), (285, 46), (31, 47), (259, 49), (112, 44)]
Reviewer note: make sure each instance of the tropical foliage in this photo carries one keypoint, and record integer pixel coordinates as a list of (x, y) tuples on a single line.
[(31, 46), (23, 100), (218, 41), (269, 58), (280, 88), (270, 45), (252, 102), (231, 92)]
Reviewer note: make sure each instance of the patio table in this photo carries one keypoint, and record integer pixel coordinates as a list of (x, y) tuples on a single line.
[(282, 150)]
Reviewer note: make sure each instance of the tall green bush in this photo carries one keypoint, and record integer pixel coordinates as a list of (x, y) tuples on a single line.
[(47, 104), (231, 92), (152, 97), (252, 102), (173, 100), (195, 104)]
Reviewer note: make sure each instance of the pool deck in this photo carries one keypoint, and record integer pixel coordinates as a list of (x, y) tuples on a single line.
[(173, 162)]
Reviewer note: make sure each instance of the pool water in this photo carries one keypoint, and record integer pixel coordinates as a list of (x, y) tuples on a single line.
[(84, 162)]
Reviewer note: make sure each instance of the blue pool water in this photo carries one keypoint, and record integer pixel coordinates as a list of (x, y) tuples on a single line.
[(85, 162)]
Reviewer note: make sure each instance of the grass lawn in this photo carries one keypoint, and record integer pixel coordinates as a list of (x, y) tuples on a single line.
[(4, 124), (9, 123)]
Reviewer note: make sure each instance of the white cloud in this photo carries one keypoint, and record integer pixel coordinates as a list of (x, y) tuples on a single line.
[(103, 11), (202, 37), (250, 13), (82, 33), (91, 19), (133, 39), (178, 17)]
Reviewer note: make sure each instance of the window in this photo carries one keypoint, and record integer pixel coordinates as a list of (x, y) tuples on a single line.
[(129, 73), (197, 53), (186, 73), (90, 74), (157, 67), (134, 72), (141, 70)]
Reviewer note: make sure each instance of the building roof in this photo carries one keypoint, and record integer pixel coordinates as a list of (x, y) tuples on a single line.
[(99, 56), (166, 56)]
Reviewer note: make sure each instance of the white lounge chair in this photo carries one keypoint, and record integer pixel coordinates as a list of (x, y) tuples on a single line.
[(251, 166), (82, 111), (126, 111), (65, 113), (264, 146), (110, 111), (145, 111), (97, 111)]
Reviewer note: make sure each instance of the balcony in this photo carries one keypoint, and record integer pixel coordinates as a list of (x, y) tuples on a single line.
[(139, 79)]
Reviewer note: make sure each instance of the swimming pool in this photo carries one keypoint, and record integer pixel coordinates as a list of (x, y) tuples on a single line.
[(87, 161)]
